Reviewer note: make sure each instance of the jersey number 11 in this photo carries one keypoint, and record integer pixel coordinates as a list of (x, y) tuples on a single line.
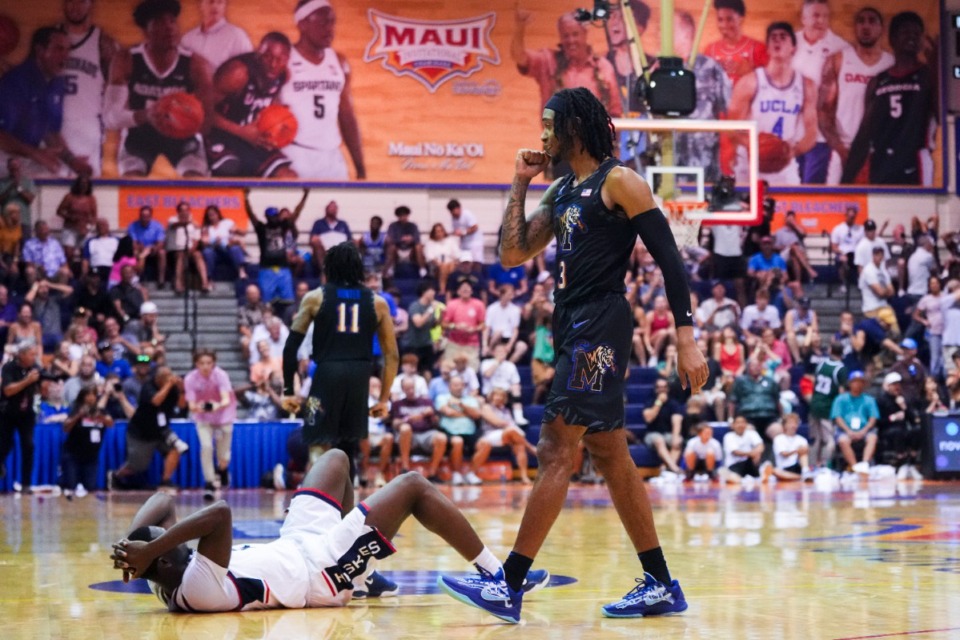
[(354, 318)]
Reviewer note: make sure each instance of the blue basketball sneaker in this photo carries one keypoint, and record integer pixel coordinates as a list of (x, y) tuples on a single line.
[(376, 586), (485, 591), (649, 598), (536, 579)]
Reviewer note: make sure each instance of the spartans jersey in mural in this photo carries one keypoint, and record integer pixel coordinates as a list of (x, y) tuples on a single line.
[(84, 79)]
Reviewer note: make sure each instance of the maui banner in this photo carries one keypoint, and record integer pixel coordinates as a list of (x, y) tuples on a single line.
[(407, 92)]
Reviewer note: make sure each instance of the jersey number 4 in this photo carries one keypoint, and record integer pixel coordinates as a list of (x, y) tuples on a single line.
[(354, 311)]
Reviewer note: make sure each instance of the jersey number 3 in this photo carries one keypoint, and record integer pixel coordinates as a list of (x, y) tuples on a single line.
[(354, 311)]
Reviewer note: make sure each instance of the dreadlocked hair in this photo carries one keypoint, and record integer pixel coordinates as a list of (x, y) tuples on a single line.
[(584, 117), (343, 265)]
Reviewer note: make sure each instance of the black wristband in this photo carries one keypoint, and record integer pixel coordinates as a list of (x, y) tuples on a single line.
[(653, 230)]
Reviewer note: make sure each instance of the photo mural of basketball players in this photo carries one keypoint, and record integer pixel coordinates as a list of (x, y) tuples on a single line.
[(736, 52), (572, 65), (701, 149), (900, 118), (214, 38), (844, 85), (31, 109), (318, 94), (141, 78), (242, 87), (85, 76), (783, 103), (815, 43)]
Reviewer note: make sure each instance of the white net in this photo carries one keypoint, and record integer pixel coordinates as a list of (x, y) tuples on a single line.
[(684, 224)]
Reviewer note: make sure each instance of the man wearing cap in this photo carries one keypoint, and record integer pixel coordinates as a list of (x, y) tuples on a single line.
[(767, 267), (875, 288), (275, 279), (110, 365), (898, 428), (142, 370), (466, 273), (913, 375), (862, 255), (327, 232), (149, 238), (856, 415), (149, 329)]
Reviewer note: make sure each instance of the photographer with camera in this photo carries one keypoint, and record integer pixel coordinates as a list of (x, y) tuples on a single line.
[(81, 449), (213, 405), (149, 430), (19, 386)]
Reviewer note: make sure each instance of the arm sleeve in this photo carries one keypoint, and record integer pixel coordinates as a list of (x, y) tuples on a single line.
[(652, 227), (290, 349)]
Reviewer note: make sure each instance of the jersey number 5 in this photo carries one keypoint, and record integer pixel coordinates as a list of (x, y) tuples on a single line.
[(354, 311), (896, 107), (319, 109)]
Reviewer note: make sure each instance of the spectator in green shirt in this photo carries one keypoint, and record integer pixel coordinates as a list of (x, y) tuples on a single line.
[(757, 398)]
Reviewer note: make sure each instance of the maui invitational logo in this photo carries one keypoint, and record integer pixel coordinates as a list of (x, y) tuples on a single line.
[(432, 51)]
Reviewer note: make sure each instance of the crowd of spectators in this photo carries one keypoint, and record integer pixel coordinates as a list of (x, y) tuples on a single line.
[(477, 338)]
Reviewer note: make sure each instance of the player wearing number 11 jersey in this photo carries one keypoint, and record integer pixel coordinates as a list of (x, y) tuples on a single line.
[(345, 316), (318, 94)]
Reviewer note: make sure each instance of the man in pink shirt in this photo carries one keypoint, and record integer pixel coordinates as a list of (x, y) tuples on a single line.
[(463, 322), (573, 65), (213, 405)]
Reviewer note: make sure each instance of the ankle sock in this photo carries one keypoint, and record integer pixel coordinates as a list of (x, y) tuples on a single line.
[(654, 563), (487, 561), (515, 570)]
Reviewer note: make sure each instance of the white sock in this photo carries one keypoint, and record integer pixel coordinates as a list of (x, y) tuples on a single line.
[(487, 561)]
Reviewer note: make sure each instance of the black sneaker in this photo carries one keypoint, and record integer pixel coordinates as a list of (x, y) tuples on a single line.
[(209, 492), (435, 479), (167, 487), (224, 478)]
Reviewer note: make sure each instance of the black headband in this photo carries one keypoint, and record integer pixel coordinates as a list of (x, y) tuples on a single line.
[(555, 104)]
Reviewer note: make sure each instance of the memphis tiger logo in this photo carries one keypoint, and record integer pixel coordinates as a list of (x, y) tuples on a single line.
[(431, 51), (590, 365), (569, 222)]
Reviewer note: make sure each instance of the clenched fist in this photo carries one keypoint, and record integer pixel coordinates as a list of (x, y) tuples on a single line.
[(531, 163)]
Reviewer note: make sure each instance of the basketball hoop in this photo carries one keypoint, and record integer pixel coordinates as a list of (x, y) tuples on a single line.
[(684, 221)]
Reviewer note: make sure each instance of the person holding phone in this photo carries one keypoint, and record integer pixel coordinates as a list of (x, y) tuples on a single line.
[(81, 448), (213, 404)]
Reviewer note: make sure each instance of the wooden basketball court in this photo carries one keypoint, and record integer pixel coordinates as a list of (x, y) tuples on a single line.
[(879, 561)]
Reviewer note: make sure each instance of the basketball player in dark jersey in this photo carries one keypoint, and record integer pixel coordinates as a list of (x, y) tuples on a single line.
[(143, 74), (595, 213), (345, 316), (242, 87), (900, 117)]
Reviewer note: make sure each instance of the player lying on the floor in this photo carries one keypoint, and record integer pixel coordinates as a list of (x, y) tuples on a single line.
[(323, 556)]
